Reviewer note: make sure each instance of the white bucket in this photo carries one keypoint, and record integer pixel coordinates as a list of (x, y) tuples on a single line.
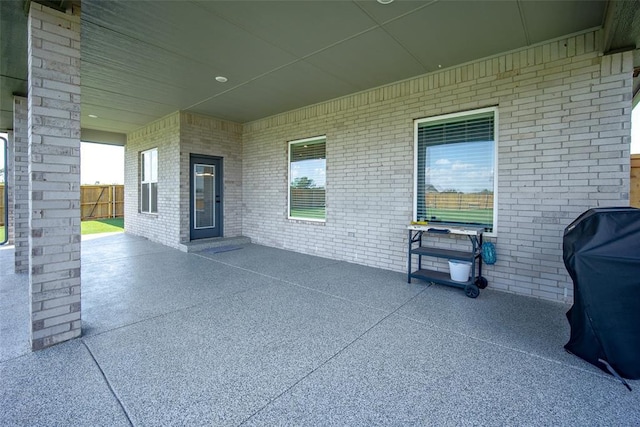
[(459, 270)]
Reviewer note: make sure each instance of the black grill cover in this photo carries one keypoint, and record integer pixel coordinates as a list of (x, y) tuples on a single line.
[(601, 250)]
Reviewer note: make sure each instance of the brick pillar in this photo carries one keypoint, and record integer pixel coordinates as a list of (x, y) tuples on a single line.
[(20, 191), (54, 175), (9, 188)]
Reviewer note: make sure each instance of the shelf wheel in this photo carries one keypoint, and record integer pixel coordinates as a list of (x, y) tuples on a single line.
[(481, 282), (471, 291)]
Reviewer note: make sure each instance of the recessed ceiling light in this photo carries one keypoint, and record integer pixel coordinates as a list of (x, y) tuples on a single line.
[(221, 79), (93, 116), (385, 1)]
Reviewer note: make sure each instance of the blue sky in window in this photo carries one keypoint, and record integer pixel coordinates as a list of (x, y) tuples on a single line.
[(466, 167), (313, 168)]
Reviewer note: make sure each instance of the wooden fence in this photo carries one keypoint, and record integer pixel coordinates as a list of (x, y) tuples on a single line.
[(459, 201), (634, 191), (101, 201), (96, 202)]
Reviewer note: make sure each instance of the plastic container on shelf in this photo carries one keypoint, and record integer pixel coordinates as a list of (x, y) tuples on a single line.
[(459, 270)]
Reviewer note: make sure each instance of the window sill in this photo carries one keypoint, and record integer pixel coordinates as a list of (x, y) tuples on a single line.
[(307, 221)]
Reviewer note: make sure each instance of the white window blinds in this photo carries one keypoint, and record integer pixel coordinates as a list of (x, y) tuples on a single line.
[(455, 170), (307, 179)]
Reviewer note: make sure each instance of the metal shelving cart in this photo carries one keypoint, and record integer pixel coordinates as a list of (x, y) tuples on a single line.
[(474, 256)]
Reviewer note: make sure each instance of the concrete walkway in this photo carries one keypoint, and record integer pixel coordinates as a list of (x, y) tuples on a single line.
[(261, 336)]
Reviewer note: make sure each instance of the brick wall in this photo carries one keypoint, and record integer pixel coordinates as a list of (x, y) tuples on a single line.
[(176, 137), (20, 191), (8, 187), (564, 116), (163, 227)]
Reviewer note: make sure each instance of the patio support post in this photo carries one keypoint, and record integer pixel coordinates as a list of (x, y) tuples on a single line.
[(9, 227), (54, 175), (20, 181)]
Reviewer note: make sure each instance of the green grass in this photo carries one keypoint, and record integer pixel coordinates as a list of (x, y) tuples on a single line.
[(92, 227), (308, 213), (102, 226), (482, 216)]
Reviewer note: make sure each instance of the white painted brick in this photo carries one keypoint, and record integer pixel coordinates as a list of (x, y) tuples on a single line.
[(21, 189), (552, 178), (54, 175), (50, 332), (51, 94), (61, 320)]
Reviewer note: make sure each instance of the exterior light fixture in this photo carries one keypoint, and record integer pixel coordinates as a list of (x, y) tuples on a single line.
[(221, 79), (93, 116), (385, 1)]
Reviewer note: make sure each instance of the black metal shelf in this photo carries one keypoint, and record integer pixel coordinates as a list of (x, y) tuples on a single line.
[(443, 253), (438, 277), (476, 281)]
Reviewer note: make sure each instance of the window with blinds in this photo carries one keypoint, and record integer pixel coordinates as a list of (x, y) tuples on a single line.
[(307, 179), (149, 181), (455, 169)]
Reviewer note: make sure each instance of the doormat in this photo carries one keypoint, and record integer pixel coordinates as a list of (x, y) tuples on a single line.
[(220, 249)]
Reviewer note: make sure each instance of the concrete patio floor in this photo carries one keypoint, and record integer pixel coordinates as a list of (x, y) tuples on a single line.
[(261, 336)]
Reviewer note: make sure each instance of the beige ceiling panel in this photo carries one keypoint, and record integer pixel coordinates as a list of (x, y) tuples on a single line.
[(551, 19), (185, 30), (121, 124), (6, 120), (299, 27), (109, 116), (449, 33), (146, 59), (13, 62), (9, 86), (385, 12), (103, 137), (369, 60), (292, 87), (123, 110), (12, 17), (179, 90)]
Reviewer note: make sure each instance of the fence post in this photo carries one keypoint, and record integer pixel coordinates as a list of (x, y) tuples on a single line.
[(110, 210)]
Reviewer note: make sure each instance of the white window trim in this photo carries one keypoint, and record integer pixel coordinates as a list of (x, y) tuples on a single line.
[(141, 165), (298, 141), (446, 117)]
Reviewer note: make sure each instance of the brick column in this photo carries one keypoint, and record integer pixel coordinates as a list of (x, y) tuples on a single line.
[(54, 175), (9, 188), (20, 155)]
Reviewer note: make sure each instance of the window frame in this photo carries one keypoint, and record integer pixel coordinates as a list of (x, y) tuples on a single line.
[(313, 139), (453, 117), (149, 181)]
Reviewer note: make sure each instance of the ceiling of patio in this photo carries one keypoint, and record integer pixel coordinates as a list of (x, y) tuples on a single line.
[(142, 60)]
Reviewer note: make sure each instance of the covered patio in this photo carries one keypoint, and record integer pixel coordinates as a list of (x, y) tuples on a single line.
[(254, 120), (264, 336)]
